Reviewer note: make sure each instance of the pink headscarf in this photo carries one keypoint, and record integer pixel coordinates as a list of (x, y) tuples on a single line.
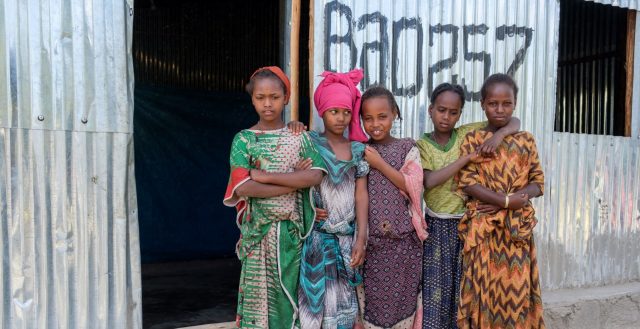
[(339, 90)]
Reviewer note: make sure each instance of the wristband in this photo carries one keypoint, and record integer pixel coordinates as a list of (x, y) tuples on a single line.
[(506, 201)]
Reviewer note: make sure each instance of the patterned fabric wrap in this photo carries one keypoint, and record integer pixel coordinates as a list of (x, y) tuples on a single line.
[(441, 270), (272, 229), (327, 295), (413, 176), (392, 269), (500, 285)]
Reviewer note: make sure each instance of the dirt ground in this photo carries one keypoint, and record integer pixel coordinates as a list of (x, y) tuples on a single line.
[(191, 293)]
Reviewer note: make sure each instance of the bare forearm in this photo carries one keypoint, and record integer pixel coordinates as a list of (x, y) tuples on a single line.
[(511, 128), (254, 189), (394, 176), (362, 208), (437, 177), (533, 190), (296, 179), (485, 195)]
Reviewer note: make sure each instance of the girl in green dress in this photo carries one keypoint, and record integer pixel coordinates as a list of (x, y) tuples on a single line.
[(274, 206)]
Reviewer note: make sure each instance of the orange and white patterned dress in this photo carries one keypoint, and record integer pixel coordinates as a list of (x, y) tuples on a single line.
[(500, 286)]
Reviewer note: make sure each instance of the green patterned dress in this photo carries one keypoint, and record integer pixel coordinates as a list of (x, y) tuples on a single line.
[(272, 229)]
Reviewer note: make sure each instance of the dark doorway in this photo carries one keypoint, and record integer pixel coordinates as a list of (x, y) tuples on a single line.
[(192, 59)]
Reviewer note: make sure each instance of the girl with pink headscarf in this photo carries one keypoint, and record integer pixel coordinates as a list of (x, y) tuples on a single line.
[(334, 251)]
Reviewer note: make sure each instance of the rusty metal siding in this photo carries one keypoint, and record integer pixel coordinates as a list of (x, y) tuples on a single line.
[(590, 214), (68, 223)]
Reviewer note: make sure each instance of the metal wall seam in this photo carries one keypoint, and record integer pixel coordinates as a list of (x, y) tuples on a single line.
[(589, 216), (68, 221)]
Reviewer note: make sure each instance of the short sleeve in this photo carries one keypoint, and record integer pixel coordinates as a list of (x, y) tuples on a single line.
[(239, 161), (468, 175), (536, 175), (465, 129), (239, 155), (308, 151), (362, 168), (426, 159)]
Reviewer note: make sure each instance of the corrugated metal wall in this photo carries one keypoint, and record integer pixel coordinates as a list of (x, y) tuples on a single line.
[(68, 223), (589, 229)]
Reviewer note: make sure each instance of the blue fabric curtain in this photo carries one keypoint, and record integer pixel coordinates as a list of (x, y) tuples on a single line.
[(182, 140)]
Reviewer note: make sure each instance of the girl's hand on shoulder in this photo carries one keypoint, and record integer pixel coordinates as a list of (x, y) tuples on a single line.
[(489, 147), (296, 127), (259, 176), (372, 156), (358, 253), (321, 215), (303, 164), (518, 200)]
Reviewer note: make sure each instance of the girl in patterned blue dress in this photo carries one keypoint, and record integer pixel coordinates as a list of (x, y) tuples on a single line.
[(334, 251)]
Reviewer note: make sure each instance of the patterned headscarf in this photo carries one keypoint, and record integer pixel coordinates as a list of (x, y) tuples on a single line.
[(339, 90)]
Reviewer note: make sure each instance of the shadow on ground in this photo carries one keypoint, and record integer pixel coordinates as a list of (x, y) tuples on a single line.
[(189, 293)]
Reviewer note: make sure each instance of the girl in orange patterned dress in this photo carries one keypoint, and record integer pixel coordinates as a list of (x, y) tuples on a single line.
[(500, 286)]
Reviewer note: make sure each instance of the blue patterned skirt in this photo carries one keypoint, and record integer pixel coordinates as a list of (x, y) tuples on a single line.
[(441, 273), (327, 296)]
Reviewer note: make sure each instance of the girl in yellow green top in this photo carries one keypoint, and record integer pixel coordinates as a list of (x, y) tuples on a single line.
[(441, 160)]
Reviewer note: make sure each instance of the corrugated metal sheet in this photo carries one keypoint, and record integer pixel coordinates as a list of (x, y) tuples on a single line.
[(68, 222), (590, 234), (584, 237), (631, 4), (64, 64)]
